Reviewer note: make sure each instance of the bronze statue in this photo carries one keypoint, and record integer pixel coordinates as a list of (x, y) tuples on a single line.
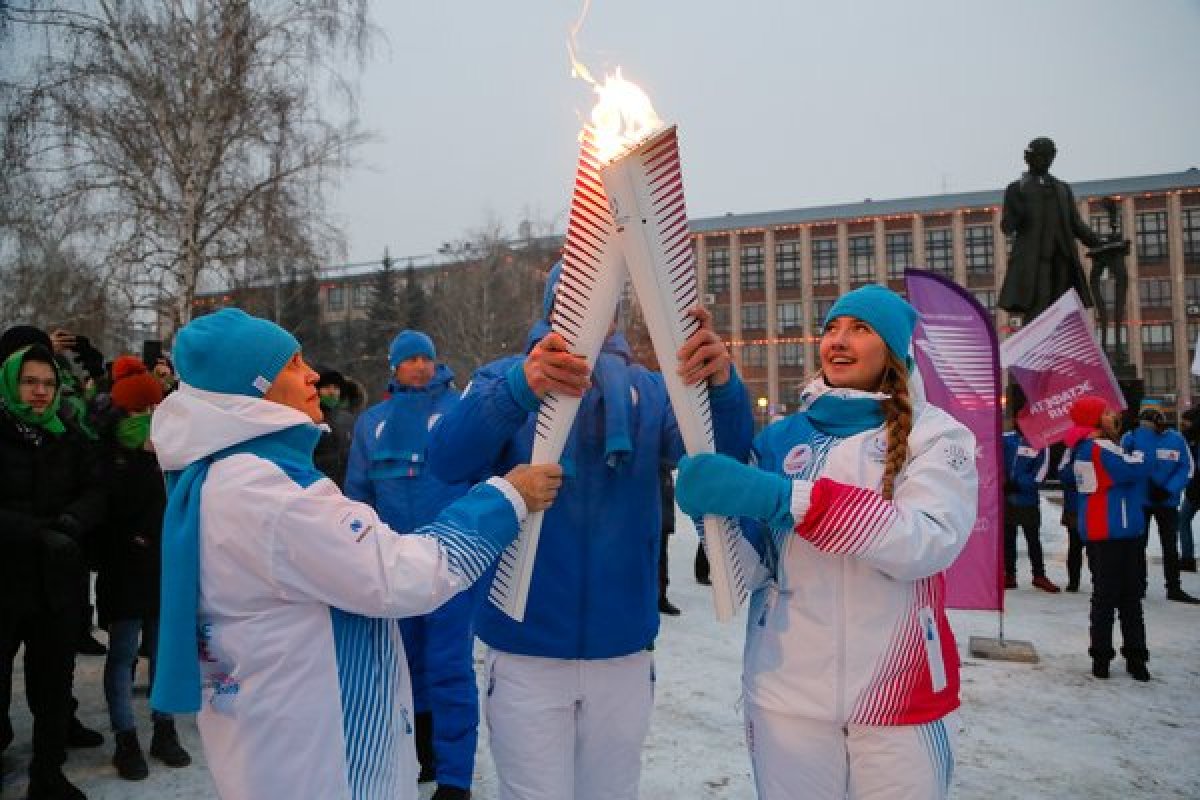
[(1040, 215), (1109, 258)]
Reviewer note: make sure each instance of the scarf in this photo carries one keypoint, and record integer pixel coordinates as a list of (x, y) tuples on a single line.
[(177, 679), (844, 412), (10, 397), (613, 382), (133, 431), (400, 447)]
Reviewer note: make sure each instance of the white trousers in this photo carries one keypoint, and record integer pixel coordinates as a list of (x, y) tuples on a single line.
[(568, 730), (795, 758)]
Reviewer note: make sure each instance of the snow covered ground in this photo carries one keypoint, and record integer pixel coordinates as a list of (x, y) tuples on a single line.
[(1047, 730)]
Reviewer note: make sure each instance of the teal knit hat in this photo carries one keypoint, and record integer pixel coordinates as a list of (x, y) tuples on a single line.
[(409, 343), (231, 352), (887, 312)]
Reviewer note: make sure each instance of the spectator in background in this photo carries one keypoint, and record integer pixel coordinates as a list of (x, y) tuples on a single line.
[(1109, 512), (1024, 471), (1070, 521), (1191, 495), (388, 469), (667, 484), (164, 371), (51, 500), (1170, 468), (333, 448), (130, 562)]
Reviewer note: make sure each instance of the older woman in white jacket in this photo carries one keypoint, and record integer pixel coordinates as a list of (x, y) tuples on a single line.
[(862, 499)]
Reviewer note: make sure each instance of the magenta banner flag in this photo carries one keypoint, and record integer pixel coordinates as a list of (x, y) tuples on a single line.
[(957, 355), (1056, 359)]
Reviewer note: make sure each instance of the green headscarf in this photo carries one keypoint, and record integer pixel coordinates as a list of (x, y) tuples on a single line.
[(10, 397), (133, 431)]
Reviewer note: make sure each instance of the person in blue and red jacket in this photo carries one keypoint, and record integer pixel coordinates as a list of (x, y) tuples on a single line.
[(1171, 467), (1025, 468), (857, 504), (1111, 523)]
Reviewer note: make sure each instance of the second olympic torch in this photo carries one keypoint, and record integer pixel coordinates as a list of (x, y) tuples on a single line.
[(645, 192)]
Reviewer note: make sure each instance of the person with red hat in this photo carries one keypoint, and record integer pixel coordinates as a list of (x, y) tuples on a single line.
[(1110, 522), (127, 587)]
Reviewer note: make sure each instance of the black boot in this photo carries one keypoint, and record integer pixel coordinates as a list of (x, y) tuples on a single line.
[(424, 742), (1100, 658), (128, 758), (1187, 565), (165, 746), (451, 793), (1180, 596), (51, 784), (665, 606), (1135, 662), (89, 645), (79, 736)]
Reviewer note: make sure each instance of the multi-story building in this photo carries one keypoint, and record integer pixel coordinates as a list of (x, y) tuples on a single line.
[(769, 278)]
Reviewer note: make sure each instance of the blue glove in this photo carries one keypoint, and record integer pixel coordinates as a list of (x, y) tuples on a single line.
[(711, 483)]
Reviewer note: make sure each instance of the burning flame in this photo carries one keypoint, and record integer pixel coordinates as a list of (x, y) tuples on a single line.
[(623, 115)]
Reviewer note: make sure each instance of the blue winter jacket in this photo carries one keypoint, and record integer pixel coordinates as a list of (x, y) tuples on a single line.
[(1108, 481), (1024, 470), (594, 590), (1170, 464), (402, 491)]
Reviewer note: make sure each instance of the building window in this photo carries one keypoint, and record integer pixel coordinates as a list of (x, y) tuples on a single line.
[(720, 315), (899, 254), (787, 265), (1193, 331), (754, 355), (861, 250), (1155, 292), (362, 295), (1158, 337), (753, 270), (1099, 224), (718, 269), (789, 394), (824, 261), (1191, 294), (986, 298), (1121, 336), (939, 251), (1191, 235), (335, 300), (1151, 236), (791, 354), (789, 315), (1160, 380), (754, 316), (980, 248), (821, 306)]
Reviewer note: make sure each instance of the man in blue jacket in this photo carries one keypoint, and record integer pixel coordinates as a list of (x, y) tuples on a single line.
[(388, 469), (570, 689), (1024, 470), (1162, 490)]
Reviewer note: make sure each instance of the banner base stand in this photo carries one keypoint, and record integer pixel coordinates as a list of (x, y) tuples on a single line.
[(995, 649)]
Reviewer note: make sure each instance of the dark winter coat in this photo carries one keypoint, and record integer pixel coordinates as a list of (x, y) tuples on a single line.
[(130, 547), (46, 482), (333, 448)]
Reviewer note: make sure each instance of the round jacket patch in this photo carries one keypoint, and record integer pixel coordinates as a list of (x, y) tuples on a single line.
[(797, 459)]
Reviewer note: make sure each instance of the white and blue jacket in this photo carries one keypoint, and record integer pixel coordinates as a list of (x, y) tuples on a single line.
[(305, 689), (594, 591), (1170, 464), (1025, 468)]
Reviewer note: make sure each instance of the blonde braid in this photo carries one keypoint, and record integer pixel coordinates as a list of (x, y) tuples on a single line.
[(897, 412)]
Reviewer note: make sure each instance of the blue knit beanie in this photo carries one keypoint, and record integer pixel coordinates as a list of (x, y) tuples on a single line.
[(408, 344), (232, 352), (887, 312)]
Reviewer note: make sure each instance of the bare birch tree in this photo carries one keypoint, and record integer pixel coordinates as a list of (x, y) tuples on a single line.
[(193, 135)]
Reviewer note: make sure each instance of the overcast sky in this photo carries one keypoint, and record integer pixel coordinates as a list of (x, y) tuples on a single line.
[(780, 103)]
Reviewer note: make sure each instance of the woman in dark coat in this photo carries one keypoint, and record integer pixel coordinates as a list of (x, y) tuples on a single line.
[(51, 500), (128, 587)]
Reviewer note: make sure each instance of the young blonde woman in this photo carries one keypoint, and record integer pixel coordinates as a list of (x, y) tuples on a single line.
[(856, 505)]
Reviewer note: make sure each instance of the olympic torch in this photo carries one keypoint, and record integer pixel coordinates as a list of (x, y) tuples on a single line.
[(585, 303), (644, 182)]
